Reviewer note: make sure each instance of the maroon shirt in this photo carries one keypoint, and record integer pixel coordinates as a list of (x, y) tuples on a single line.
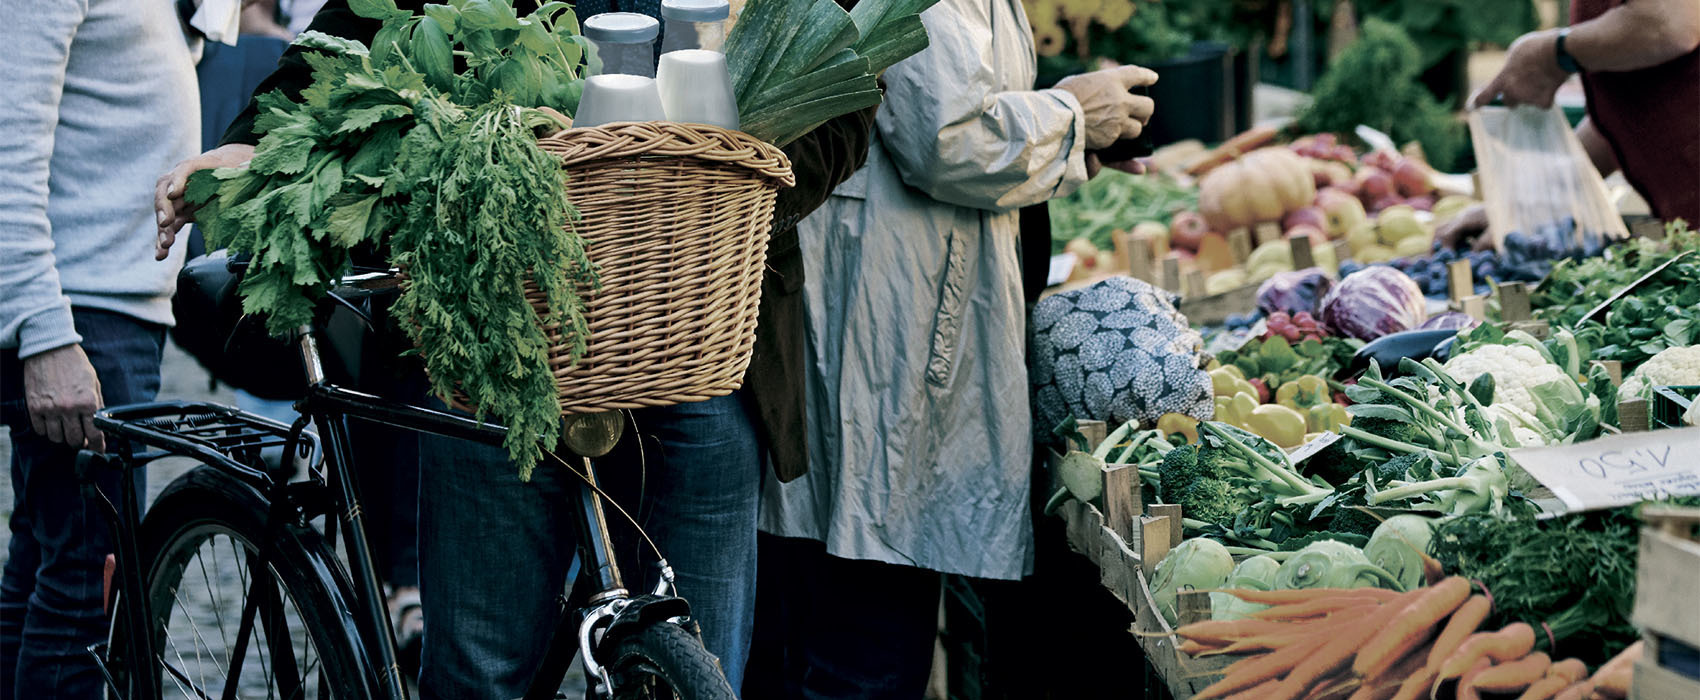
[(1651, 117)]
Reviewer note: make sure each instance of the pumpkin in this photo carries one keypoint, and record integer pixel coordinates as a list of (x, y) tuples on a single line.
[(1260, 186)]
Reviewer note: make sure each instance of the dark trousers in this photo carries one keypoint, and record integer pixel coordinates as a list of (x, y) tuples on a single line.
[(837, 628), (51, 604)]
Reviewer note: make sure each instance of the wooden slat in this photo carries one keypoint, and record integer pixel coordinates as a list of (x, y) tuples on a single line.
[(1191, 606), (1666, 578), (1460, 282), (1239, 241), (1173, 513), (1153, 543), (1121, 499), (1303, 255), (1514, 302), (1614, 369), (1171, 275), (1633, 415)]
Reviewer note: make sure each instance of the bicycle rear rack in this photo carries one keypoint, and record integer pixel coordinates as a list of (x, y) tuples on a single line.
[(218, 435)]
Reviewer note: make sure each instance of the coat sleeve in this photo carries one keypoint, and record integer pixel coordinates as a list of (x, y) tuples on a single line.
[(35, 314), (953, 135)]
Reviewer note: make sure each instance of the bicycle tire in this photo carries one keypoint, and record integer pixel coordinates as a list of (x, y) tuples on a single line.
[(665, 657), (205, 503)]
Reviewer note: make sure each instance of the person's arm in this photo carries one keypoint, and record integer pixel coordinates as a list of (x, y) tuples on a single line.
[(35, 314), (1637, 34), (61, 390), (1598, 148), (952, 135), (821, 160)]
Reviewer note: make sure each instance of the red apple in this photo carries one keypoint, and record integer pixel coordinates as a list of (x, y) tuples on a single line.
[(1412, 178), (1383, 159), (1385, 201), (1421, 203), (1373, 183), (1305, 216), (1315, 233), (1187, 229), (1342, 209)]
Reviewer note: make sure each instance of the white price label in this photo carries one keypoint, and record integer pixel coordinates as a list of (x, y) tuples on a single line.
[(1618, 470), (1314, 446)]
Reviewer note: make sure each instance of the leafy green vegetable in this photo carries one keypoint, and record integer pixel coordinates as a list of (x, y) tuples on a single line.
[(1375, 82), (1116, 201), (1574, 573), (797, 63), (390, 148), (1439, 27), (1662, 313), (1277, 361)]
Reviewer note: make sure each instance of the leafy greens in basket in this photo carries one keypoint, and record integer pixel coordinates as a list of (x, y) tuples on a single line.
[(797, 63), (391, 147)]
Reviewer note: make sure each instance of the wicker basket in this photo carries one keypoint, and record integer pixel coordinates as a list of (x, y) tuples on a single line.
[(677, 218)]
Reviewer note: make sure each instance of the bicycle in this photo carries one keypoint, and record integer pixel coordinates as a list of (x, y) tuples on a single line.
[(313, 624)]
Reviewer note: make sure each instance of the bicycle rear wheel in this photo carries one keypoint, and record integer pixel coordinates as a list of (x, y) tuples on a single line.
[(234, 604), (664, 662)]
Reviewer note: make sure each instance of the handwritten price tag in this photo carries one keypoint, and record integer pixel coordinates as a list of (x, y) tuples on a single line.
[(1619, 470)]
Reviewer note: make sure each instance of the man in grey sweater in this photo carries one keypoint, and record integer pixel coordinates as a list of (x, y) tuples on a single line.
[(101, 97)]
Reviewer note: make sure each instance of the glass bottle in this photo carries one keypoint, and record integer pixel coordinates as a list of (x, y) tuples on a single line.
[(694, 24), (625, 41)]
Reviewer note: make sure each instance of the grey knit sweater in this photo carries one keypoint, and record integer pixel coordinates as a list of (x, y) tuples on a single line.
[(100, 99)]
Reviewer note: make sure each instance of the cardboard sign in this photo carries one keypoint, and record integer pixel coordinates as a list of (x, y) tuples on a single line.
[(1303, 452), (1619, 470), (1062, 265)]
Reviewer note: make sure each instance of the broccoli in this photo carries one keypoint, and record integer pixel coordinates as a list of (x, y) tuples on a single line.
[(1397, 468)]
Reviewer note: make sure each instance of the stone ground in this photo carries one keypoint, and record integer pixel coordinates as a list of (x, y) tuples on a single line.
[(183, 378)]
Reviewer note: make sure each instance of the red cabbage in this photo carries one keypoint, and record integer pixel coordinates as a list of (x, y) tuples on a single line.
[(1374, 302), (1295, 291)]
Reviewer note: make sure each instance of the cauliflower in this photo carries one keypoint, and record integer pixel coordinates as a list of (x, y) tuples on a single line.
[(1516, 369), (1671, 367)]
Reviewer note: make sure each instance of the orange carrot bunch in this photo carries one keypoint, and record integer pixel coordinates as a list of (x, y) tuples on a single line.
[(1369, 644)]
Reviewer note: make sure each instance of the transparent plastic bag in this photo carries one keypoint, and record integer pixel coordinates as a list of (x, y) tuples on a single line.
[(1543, 197)]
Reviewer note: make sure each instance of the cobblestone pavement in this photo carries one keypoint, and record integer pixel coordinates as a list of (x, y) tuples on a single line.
[(203, 606)]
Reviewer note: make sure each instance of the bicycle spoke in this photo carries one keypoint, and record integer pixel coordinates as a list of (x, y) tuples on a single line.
[(196, 628), (218, 605), (178, 678)]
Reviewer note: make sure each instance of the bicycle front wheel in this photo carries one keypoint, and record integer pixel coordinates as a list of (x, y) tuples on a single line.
[(236, 606), (663, 661)]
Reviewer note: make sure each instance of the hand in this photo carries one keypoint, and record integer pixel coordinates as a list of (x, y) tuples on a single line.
[(170, 210), (1530, 76), (1112, 113), (63, 394), (1470, 222), (1136, 166)]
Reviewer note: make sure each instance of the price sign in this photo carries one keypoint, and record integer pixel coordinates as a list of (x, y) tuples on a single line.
[(1619, 470)]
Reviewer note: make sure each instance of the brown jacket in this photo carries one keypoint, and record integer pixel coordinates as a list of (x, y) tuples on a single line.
[(821, 160)]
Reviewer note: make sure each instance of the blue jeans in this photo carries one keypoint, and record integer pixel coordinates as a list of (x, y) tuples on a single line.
[(51, 604), (495, 552)]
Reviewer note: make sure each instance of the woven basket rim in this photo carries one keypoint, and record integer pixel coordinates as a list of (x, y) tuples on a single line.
[(590, 146)]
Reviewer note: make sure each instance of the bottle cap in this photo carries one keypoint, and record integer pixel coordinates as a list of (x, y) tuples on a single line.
[(621, 28), (696, 10)]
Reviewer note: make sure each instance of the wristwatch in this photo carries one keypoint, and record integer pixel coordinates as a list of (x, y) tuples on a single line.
[(1566, 62)]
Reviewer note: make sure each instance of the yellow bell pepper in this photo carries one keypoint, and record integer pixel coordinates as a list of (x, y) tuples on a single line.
[(1309, 396), (1236, 410), (1327, 417), (1278, 424), (1172, 423), (1227, 381)]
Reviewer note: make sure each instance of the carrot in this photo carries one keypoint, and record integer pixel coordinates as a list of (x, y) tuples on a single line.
[(1433, 572), (1513, 642), (1336, 655), (1297, 631), (1337, 689), (1571, 670), (1544, 688), (1467, 684), (1285, 596), (1194, 648), (1387, 684), (1516, 675), (1256, 670), (1412, 627), (1612, 679), (1256, 692), (1314, 608), (1463, 624), (1414, 686), (1576, 692), (1227, 631)]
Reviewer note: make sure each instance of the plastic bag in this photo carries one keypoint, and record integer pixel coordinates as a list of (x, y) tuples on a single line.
[(1543, 197), (1115, 351)]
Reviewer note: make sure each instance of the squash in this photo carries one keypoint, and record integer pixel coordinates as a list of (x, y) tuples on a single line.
[(1260, 186)]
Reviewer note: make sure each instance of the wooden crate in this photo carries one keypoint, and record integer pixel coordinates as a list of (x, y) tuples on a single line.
[(1667, 599)]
